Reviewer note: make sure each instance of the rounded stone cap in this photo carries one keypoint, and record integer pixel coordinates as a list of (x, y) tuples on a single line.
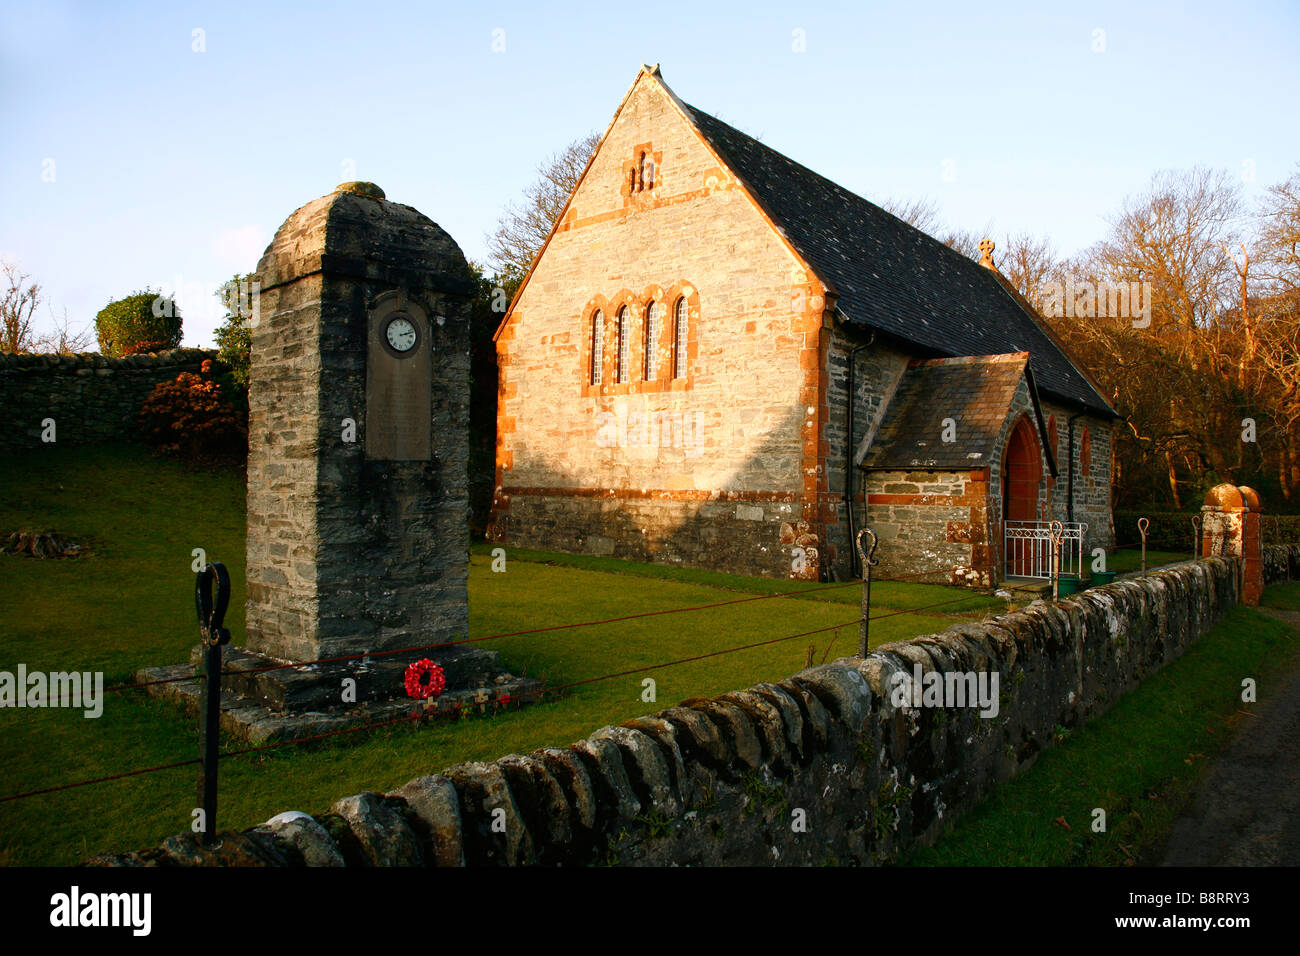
[(1225, 496), (361, 189), (1250, 496), (355, 232)]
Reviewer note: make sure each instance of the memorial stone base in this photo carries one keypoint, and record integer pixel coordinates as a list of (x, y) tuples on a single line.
[(270, 702)]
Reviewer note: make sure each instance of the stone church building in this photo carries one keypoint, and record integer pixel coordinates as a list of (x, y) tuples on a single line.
[(722, 360)]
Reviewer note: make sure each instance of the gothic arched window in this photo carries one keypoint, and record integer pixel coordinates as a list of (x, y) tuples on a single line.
[(597, 346), (652, 342), (624, 335), (680, 330)]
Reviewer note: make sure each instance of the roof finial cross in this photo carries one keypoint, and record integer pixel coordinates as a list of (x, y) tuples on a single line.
[(986, 253)]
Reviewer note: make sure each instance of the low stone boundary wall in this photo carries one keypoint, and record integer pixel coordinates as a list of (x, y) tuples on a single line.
[(1281, 563), (826, 767), (90, 397)]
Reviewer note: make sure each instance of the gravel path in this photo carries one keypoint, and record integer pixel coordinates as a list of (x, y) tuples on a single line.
[(1245, 812)]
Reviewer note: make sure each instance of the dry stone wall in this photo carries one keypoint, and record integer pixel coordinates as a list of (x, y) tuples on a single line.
[(825, 767), (91, 397), (1281, 563)]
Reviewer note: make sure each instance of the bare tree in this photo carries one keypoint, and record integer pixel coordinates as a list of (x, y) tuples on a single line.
[(1221, 355), (1279, 234), (62, 339), (1028, 264), (965, 241), (18, 300), (1176, 236), (924, 214), (1276, 323), (523, 227)]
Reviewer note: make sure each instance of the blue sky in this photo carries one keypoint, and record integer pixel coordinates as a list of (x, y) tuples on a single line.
[(132, 160)]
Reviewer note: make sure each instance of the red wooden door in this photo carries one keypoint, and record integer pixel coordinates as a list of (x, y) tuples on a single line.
[(1021, 472)]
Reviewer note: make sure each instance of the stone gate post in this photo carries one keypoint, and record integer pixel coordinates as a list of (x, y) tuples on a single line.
[(1230, 526)]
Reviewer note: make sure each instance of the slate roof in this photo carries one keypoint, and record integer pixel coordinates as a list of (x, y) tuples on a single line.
[(975, 391), (891, 276)]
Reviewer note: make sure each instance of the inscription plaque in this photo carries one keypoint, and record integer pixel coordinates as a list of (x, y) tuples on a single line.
[(399, 418)]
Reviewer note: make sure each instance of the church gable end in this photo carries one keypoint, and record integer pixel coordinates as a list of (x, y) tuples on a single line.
[(660, 395)]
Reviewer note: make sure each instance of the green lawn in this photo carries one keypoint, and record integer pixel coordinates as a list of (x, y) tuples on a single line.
[(130, 604), (1140, 761)]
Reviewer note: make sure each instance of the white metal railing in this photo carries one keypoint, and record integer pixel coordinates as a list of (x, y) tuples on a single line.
[(1027, 548)]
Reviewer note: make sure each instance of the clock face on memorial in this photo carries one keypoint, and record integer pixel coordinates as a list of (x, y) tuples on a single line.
[(401, 334)]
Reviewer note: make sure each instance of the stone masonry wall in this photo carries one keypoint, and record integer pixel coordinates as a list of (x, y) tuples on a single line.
[(282, 488), (1092, 492), (821, 768), (719, 532), (935, 532), (877, 369), (91, 397), (705, 467), (1281, 563)]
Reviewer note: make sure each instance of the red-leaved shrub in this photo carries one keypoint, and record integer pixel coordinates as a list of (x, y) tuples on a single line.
[(189, 419), (144, 348)]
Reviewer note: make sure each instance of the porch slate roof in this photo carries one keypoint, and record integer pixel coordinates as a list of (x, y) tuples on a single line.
[(975, 391)]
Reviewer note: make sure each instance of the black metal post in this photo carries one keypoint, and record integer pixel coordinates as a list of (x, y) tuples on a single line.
[(1143, 524), (1057, 531), (868, 560), (209, 737), (211, 610), (1196, 537)]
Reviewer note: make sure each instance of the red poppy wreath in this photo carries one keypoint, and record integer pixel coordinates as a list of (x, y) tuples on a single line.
[(424, 679)]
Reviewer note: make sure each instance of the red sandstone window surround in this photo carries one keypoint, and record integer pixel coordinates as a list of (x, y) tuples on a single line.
[(681, 325), (641, 174), (652, 341), (624, 334), (597, 346), (620, 356), (1085, 452)]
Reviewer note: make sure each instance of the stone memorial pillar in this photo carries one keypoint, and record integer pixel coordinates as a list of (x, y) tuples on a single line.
[(1230, 526), (358, 500), (358, 432)]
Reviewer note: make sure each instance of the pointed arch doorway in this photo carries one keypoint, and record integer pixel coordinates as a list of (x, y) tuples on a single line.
[(1021, 474)]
